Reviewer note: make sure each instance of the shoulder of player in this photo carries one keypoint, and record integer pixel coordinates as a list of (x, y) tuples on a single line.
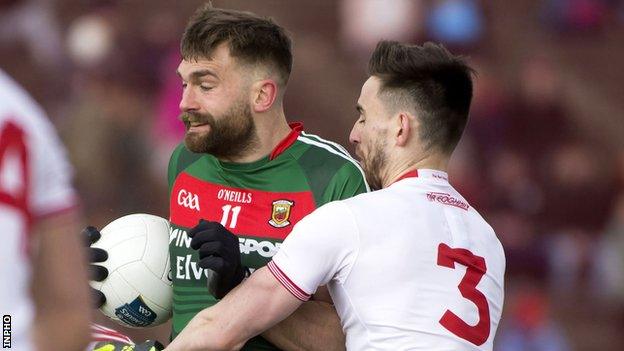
[(384, 199), (180, 159), (180, 148), (331, 212), (332, 156), (180, 152), (363, 200), (15, 100), (18, 107), (327, 147)]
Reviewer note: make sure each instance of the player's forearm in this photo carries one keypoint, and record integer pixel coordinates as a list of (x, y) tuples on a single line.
[(250, 308), (314, 326), (203, 333), (60, 288)]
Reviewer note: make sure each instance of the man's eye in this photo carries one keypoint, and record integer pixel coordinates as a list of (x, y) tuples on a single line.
[(361, 121), (184, 85), (205, 87)]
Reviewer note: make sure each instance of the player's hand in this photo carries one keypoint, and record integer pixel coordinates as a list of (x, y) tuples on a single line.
[(122, 346), (218, 251), (96, 255)]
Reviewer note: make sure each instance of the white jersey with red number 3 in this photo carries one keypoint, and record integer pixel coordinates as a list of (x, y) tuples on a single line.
[(34, 183), (409, 267)]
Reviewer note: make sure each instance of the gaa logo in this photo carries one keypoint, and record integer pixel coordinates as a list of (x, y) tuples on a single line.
[(145, 311), (188, 200)]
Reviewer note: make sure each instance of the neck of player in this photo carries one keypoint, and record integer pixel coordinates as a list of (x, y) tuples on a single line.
[(403, 164), (271, 128)]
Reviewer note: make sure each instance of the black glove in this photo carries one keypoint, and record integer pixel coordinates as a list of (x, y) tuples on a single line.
[(219, 252), (97, 272), (122, 346)]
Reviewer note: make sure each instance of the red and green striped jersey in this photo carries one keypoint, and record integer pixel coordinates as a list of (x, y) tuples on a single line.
[(260, 202)]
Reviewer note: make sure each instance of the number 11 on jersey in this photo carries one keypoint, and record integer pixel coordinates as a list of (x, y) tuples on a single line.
[(226, 215)]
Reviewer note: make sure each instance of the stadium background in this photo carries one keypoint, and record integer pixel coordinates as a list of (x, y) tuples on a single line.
[(542, 157)]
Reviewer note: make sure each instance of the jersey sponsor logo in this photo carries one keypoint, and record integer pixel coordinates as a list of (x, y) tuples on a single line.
[(264, 248), (180, 237), (281, 213), (188, 200), (447, 199), (187, 269), (255, 253)]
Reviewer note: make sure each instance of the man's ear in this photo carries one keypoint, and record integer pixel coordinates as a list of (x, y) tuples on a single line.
[(403, 128), (264, 95)]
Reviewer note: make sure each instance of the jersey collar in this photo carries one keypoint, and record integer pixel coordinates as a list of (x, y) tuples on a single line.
[(410, 174), (296, 128), (424, 173)]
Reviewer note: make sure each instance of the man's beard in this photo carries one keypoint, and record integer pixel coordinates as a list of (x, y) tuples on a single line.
[(229, 136), (374, 165)]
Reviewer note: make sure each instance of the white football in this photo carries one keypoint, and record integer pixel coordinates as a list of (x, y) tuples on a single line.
[(138, 287)]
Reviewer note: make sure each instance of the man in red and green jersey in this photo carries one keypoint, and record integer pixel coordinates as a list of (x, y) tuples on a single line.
[(244, 170), (258, 201)]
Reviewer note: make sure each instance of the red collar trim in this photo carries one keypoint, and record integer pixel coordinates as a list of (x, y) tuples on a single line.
[(296, 128), (424, 173), (410, 174)]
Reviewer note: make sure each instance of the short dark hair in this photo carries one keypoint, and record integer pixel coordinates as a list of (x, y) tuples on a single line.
[(252, 39), (433, 82)]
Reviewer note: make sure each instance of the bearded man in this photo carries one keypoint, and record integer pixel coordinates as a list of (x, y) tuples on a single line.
[(243, 176)]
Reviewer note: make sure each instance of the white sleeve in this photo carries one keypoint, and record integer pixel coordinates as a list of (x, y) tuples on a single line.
[(52, 189), (321, 247)]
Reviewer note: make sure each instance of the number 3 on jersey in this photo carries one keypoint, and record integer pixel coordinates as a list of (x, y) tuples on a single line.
[(475, 269)]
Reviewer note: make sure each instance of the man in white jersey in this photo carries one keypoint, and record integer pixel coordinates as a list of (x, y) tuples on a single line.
[(409, 267), (44, 298)]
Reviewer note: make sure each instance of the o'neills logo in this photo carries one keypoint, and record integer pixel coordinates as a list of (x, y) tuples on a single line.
[(234, 196), (447, 199), (188, 200)]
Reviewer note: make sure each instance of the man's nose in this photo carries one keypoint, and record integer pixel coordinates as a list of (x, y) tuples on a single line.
[(188, 101), (354, 136)]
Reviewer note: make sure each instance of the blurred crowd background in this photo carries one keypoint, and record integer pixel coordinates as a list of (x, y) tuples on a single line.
[(542, 157)]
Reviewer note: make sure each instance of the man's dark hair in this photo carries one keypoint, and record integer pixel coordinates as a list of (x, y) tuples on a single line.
[(431, 82), (251, 39)]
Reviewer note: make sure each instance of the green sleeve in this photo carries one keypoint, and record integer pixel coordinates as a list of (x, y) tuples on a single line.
[(347, 182)]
